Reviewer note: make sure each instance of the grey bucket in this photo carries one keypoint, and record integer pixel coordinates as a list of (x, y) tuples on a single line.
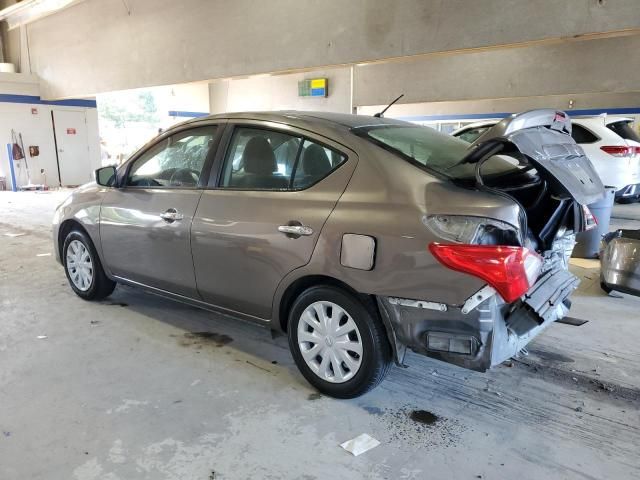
[(588, 243)]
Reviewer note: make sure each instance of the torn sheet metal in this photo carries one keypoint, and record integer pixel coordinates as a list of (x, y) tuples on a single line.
[(477, 298), (405, 302)]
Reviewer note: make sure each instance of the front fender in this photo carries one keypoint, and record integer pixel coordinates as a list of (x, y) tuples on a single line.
[(82, 207)]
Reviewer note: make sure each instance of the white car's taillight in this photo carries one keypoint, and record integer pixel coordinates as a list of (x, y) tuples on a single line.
[(621, 151)]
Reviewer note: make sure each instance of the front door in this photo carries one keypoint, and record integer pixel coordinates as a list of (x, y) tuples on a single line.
[(145, 225), (74, 164), (275, 192)]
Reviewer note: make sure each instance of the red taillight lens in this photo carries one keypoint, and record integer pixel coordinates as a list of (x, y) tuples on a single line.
[(590, 220), (619, 150), (510, 270)]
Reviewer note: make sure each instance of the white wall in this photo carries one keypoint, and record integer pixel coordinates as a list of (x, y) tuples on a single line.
[(37, 129), (280, 92)]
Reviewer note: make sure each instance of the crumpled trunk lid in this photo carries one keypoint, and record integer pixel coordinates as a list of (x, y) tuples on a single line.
[(544, 136)]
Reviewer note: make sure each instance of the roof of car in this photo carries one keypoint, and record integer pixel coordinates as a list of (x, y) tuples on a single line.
[(294, 116)]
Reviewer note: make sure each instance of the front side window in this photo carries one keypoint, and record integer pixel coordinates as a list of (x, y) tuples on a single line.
[(259, 159), (175, 162)]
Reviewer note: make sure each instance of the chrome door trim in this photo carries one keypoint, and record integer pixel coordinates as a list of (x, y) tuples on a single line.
[(296, 230)]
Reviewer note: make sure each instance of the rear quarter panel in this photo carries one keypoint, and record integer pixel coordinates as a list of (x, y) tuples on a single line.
[(387, 199)]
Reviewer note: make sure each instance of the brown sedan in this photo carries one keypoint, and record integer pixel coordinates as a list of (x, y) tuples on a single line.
[(358, 236)]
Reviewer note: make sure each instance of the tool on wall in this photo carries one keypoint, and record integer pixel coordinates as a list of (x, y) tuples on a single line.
[(17, 152)]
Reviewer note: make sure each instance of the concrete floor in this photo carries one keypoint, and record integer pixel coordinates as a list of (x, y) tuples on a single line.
[(125, 389)]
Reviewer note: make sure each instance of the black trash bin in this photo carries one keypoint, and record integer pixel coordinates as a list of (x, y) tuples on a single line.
[(588, 243)]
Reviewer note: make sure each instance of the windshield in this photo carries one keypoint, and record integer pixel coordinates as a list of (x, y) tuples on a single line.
[(432, 150)]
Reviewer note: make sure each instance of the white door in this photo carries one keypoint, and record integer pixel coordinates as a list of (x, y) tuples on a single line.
[(73, 147)]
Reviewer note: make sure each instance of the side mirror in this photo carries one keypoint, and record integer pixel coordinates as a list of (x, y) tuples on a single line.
[(106, 176)]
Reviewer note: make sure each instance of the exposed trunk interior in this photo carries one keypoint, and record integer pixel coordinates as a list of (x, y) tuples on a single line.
[(548, 208)]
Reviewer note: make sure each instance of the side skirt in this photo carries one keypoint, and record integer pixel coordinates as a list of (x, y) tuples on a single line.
[(194, 302)]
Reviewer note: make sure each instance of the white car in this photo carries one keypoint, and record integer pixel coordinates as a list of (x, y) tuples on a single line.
[(611, 144)]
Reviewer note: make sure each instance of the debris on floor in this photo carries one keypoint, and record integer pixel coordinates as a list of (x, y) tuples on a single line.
[(41, 337), (43, 255), (13, 235), (360, 444)]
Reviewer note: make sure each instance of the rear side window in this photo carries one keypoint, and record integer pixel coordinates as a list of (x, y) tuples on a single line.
[(582, 135), (625, 130), (315, 163), (260, 159)]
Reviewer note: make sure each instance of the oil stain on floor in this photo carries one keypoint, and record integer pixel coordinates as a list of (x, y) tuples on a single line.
[(417, 428), (201, 339)]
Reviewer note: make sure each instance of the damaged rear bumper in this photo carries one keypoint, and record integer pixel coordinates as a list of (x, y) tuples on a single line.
[(483, 332)]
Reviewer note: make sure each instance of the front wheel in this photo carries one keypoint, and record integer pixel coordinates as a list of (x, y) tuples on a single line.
[(83, 268), (339, 345)]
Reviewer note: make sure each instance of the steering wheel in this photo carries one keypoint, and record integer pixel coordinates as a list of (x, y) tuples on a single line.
[(184, 176)]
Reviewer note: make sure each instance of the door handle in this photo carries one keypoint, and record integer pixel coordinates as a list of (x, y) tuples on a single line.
[(171, 215), (297, 230)]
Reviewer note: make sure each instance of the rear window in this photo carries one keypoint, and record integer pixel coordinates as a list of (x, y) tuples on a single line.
[(431, 150), (625, 130), (472, 134)]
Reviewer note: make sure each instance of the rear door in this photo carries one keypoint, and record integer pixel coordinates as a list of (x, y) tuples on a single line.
[(145, 225), (263, 215)]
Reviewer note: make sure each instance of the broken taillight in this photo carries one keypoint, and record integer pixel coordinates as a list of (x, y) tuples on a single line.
[(589, 219), (510, 270)]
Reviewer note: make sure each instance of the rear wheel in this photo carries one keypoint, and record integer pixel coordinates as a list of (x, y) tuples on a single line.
[(338, 343), (83, 268)]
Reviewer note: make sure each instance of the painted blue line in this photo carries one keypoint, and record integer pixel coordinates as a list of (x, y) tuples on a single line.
[(36, 100), (14, 184), (180, 113), (470, 116), (72, 102), (485, 116)]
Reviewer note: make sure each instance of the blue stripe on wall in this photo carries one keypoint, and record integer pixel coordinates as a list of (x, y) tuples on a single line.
[(483, 116), (34, 99), (180, 113)]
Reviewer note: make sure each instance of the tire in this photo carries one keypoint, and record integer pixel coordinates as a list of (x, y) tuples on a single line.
[(344, 309), (605, 288), (99, 286)]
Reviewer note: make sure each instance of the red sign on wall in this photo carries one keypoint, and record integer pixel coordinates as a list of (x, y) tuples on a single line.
[(71, 131), (34, 111)]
